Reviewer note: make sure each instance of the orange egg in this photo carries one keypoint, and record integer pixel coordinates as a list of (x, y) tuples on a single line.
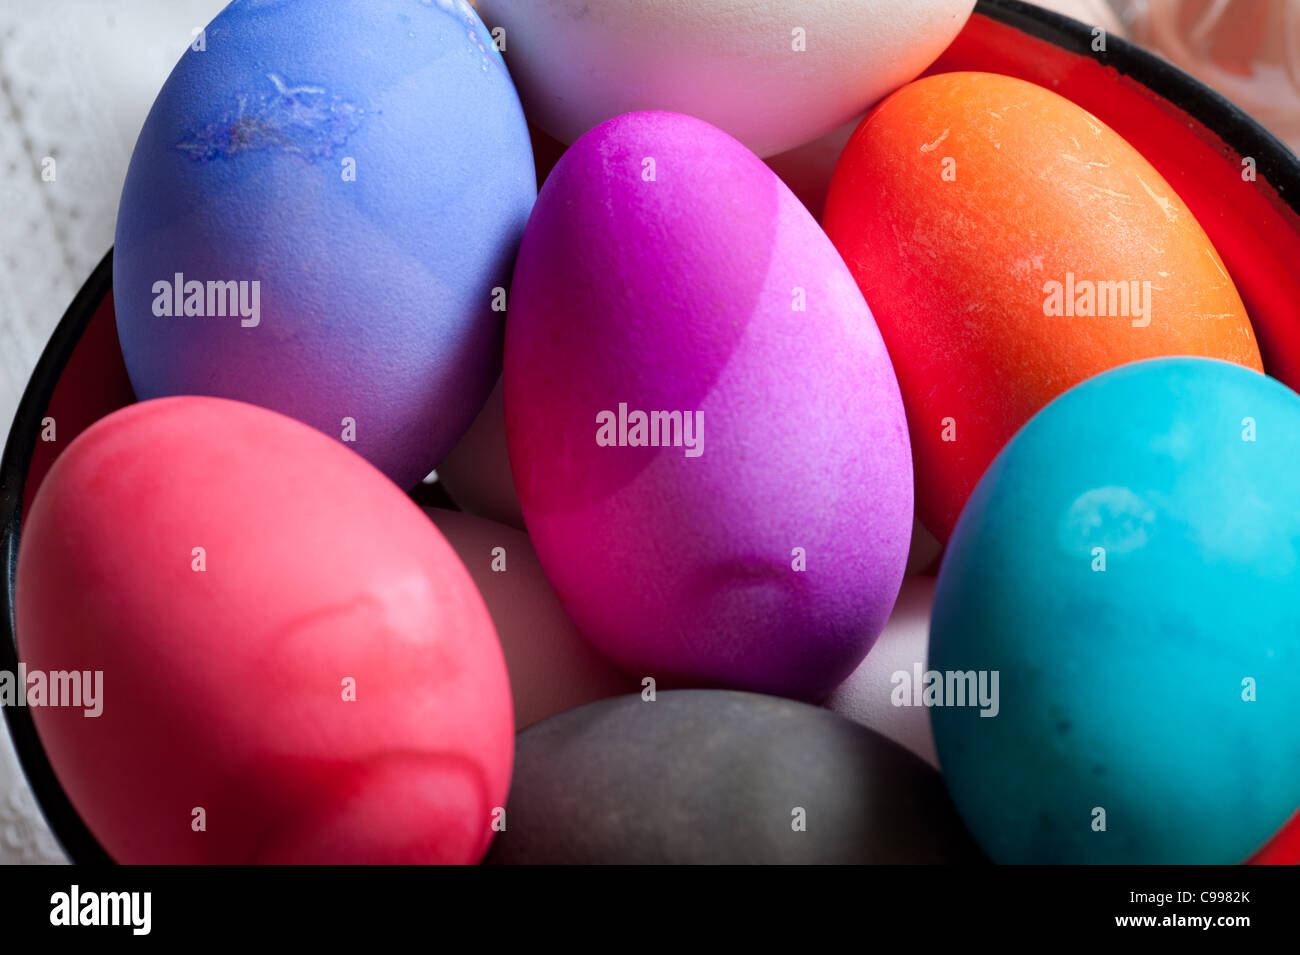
[(1011, 245)]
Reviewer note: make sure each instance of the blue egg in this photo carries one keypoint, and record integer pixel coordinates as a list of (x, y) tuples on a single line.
[(320, 217), (1129, 568)]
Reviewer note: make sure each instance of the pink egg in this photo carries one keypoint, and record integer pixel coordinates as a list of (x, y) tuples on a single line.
[(295, 667), (704, 428), (552, 668)]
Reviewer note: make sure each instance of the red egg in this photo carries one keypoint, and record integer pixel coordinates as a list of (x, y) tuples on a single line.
[(293, 666)]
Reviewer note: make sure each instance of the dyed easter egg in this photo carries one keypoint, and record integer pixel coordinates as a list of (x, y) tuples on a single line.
[(551, 667), (1011, 245), (882, 692), (295, 666), (320, 218), (703, 424), (719, 777), (771, 74), (1128, 569)]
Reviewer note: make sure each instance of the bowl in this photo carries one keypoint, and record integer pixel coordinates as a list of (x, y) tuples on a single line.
[(1199, 141)]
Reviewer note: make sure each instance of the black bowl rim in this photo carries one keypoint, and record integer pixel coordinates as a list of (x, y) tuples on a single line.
[(63, 819), (1274, 163)]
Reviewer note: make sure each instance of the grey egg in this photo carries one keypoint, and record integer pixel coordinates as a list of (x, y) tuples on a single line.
[(717, 776)]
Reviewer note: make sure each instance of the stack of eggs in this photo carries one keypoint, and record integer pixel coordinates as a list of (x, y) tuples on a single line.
[(727, 427)]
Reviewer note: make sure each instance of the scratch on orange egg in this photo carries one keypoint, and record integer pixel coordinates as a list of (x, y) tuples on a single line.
[(1110, 192), (1085, 162), (1163, 202), (931, 147), (1216, 263)]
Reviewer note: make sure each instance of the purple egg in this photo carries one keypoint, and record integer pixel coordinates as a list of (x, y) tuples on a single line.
[(704, 427)]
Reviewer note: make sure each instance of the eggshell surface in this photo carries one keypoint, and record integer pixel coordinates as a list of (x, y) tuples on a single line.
[(719, 777), (772, 74), (761, 544), (551, 667), (292, 656), (1128, 565), (363, 168), (1010, 246)]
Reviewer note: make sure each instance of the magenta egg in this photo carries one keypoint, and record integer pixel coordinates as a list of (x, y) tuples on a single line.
[(704, 427)]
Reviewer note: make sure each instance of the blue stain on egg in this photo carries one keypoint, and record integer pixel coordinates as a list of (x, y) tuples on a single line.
[(361, 171)]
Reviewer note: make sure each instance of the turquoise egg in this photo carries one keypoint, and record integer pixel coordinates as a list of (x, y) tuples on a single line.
[(1125, 586)]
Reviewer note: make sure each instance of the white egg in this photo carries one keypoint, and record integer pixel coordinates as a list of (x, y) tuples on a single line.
[(552, 668), (773, 74), (867, 696)]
